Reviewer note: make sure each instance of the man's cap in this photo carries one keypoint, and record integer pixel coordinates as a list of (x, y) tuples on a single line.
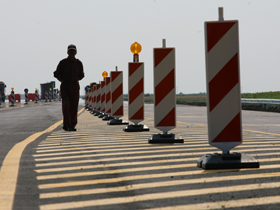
[(72, 47)]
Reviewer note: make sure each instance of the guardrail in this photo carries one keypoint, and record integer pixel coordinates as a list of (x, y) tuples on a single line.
[(265, 103)]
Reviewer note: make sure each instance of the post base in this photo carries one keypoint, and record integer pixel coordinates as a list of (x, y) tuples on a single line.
[(227, 161), (135, 128), (106, 118), (169, 138), (101, 115), (117, 122), (92, 111), (97, 113)]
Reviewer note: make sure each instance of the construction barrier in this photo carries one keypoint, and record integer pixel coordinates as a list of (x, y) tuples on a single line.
[(98, 99), (50, 95), (107, 99), (36, 96), (26, 96), (54, 95), (14, 97), (93, 98), (86, 96), (136, 97), (89, 98), (31, 96), (103, 102), (164, 95), (46, 95), (117, 98), (223, 95)]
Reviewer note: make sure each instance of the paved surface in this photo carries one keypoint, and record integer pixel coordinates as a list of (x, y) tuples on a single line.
[(102, 167)]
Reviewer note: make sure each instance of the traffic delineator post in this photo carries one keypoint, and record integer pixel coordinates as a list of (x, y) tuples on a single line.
[(136, 92), (86, 96), (93, 97), (98, 99), (90, 98), (117, 98), (164, 95), (103, 101), (36, 96), (50, 95), (46, 95), (26, 96), (12, 97), (223, 96), (108, 99), (54, 95)]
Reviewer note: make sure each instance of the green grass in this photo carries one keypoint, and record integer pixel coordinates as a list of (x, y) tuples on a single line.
[(269, 95)]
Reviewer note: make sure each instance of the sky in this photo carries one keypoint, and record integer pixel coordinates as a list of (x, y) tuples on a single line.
[(35, 34)]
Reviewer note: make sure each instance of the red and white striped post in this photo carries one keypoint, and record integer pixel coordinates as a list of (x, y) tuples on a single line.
[(98, 99), (165, 95), (223, 95), (93, 99), (26, 96), (36, 96), (136, 92), (108, 99), (89, 98), (50, 95), (103, 101), (12, 97), (86, 97), (54, 95), (117, 98), (46, 95)]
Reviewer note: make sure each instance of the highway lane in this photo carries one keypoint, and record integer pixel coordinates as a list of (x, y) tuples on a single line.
[(20, 122), (268, 122)]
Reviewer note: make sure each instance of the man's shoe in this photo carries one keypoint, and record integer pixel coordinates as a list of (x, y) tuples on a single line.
[(65, 128), (72, 129)]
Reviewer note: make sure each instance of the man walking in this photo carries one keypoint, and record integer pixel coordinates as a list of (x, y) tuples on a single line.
[(69, 71)]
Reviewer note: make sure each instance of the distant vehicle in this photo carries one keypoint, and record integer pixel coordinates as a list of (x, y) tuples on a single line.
[(2, 91)]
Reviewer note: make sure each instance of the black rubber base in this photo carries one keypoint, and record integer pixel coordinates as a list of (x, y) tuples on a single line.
[(117, 122), (107, 118), (165, 139), (136, 128), (96, 114), (227, 161), (101, 115)]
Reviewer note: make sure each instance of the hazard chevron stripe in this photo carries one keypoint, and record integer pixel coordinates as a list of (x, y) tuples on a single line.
[(169, 119), (223, 82), (216, 31), (139, 115), (135, 91), (117, 93), (164, 87)]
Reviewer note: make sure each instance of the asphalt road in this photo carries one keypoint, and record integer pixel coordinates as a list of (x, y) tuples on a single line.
[(16, 124), (20, 122)]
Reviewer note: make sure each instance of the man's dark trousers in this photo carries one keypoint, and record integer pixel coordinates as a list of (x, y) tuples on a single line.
[(70, 93)]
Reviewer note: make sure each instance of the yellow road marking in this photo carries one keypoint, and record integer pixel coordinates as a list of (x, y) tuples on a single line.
[(10, 168)]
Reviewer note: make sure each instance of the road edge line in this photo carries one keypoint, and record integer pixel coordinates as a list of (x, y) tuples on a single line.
[(10, 167)]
